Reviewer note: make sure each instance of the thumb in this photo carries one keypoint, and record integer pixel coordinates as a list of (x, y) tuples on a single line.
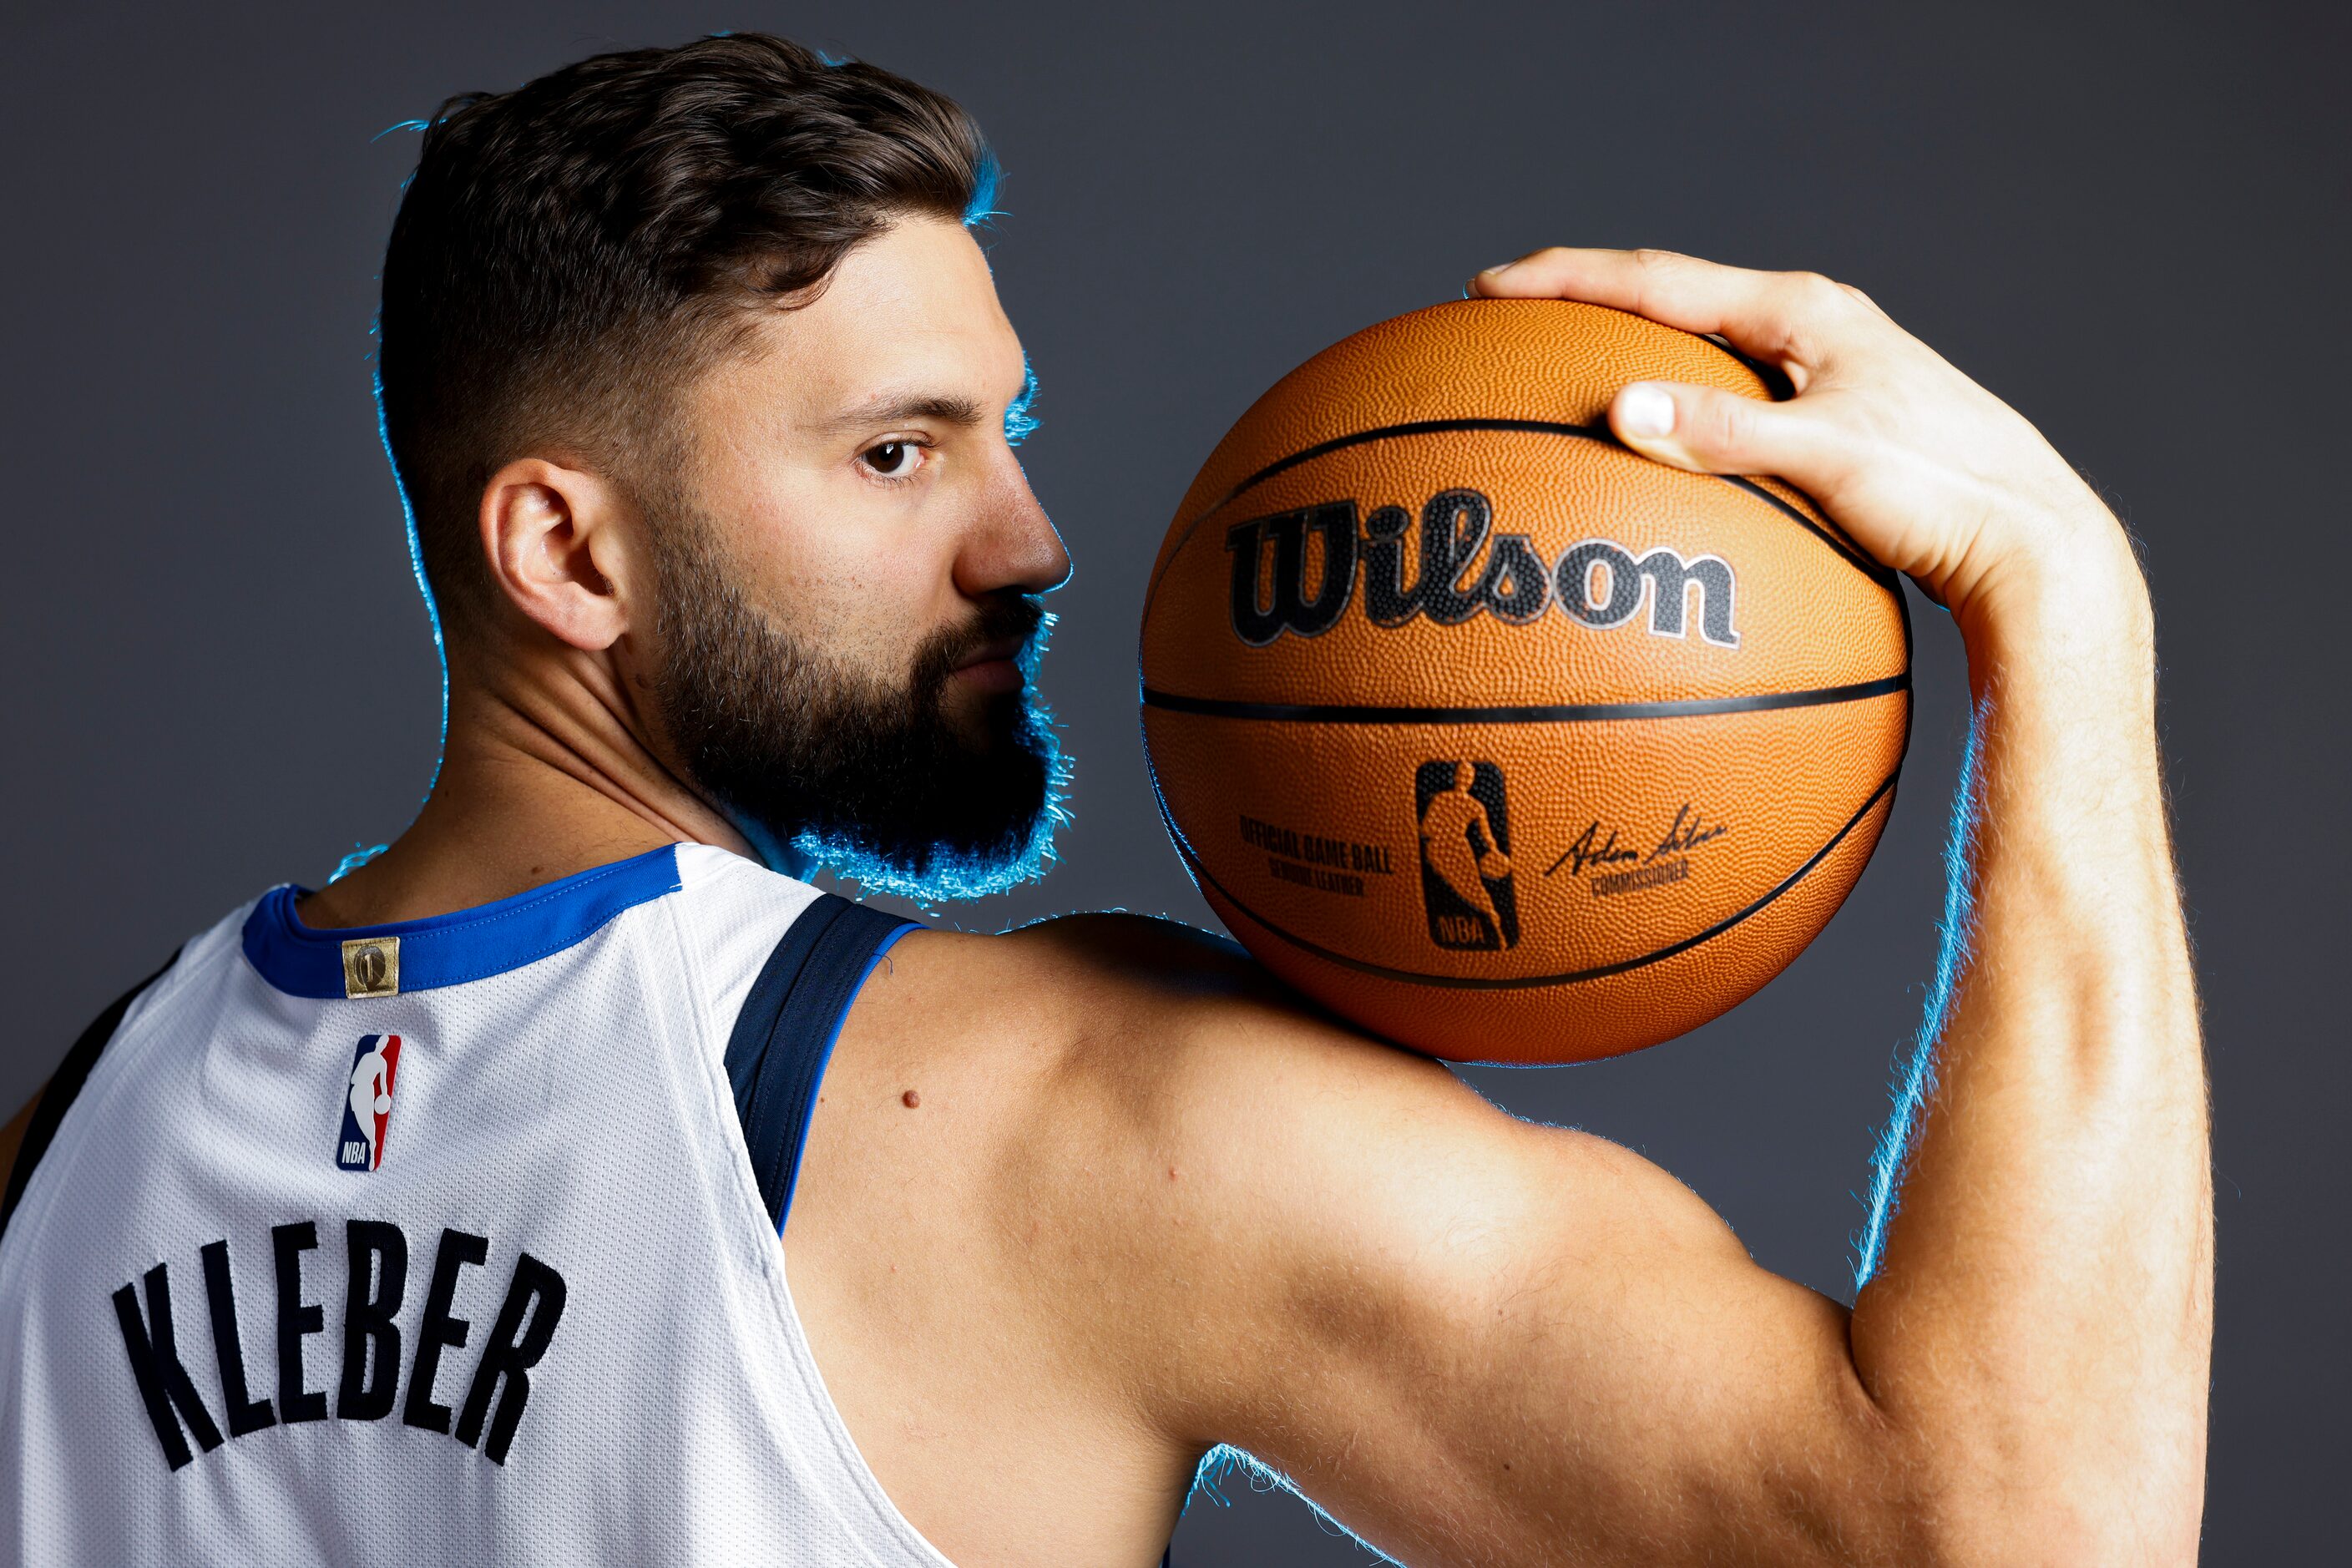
[(1708, 431)]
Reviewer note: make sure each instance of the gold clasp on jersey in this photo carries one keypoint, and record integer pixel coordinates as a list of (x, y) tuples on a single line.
[(371, 966)]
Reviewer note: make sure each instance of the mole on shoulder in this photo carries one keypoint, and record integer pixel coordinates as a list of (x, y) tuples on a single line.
[(911, 1099)]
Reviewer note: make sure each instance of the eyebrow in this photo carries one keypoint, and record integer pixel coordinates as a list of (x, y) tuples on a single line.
[(889, 410)]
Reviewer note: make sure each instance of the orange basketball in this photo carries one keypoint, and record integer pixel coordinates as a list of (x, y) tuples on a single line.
[(1493, 736)]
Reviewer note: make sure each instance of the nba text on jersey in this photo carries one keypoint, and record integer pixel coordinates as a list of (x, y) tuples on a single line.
[(376, 1283)]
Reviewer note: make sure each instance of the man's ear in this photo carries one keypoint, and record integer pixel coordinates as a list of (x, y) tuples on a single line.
[(557, 543)]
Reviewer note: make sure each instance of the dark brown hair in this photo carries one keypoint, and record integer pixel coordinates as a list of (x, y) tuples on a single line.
[(566, 253)]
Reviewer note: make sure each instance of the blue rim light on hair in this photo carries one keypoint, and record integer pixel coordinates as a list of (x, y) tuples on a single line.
[(983, 205), (1224, 1459), (361, 855), (1020, 415), (424, 585), (1915, 1077)]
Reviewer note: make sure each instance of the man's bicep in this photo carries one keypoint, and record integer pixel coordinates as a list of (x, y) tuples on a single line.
[(1474, 1339)]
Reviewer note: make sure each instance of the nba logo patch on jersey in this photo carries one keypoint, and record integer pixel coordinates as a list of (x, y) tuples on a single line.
[(367, 1108)]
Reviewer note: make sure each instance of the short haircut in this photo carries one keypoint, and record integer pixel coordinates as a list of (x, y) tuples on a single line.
[(568, 254)]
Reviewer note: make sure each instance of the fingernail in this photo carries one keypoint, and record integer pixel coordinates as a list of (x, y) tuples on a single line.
[(1494, 272), (1645, 411)]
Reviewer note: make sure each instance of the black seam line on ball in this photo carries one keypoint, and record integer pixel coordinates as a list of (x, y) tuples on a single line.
[(1600, 433), (1463, 983), (1556, 713)]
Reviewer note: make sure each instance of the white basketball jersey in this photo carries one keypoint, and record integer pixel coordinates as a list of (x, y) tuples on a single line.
[(452, 1241)]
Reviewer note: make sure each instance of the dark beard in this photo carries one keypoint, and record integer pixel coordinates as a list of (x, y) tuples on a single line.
[(871, 780)]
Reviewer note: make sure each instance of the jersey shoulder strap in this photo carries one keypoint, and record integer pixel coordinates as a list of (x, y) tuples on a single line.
[(777, 1053), (65, 1086)]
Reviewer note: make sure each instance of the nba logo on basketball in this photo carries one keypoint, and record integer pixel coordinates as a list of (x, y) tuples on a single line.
[(1466, 855), (367, 1109)]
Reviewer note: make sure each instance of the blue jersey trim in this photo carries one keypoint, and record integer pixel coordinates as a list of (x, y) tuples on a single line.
[(783, 1037), (824, 1060), (466, 944), (64, 1087)]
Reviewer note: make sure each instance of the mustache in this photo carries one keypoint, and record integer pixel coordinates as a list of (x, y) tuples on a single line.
[(1015, 618)]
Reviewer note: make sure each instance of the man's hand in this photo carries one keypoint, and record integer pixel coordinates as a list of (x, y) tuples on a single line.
[(1926, 470)]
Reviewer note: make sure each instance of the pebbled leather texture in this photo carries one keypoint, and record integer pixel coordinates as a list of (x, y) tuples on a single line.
[(1493, 736)]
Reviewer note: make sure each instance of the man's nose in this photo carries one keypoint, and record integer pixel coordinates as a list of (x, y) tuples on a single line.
[(1014, 547)]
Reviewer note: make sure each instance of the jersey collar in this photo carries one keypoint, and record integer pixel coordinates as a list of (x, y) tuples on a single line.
[(466, 944)]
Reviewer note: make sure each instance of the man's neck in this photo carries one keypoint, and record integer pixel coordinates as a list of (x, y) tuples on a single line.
[(534, 785)]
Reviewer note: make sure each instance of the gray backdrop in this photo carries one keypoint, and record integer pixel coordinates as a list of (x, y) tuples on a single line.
[(2131, 224)]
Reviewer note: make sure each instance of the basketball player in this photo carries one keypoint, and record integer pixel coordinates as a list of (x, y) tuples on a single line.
[(699, 390)]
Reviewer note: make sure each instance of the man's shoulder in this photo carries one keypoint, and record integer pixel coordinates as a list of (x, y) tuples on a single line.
[(1141, 997), (1160, 1058), (1228, 1159)]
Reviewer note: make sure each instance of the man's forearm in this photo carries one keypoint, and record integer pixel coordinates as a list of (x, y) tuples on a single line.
[(2038, 1331)]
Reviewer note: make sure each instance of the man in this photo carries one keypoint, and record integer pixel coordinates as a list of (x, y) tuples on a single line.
[(701, 394)]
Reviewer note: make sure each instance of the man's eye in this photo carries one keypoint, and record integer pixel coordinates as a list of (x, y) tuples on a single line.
[(892, 460)]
